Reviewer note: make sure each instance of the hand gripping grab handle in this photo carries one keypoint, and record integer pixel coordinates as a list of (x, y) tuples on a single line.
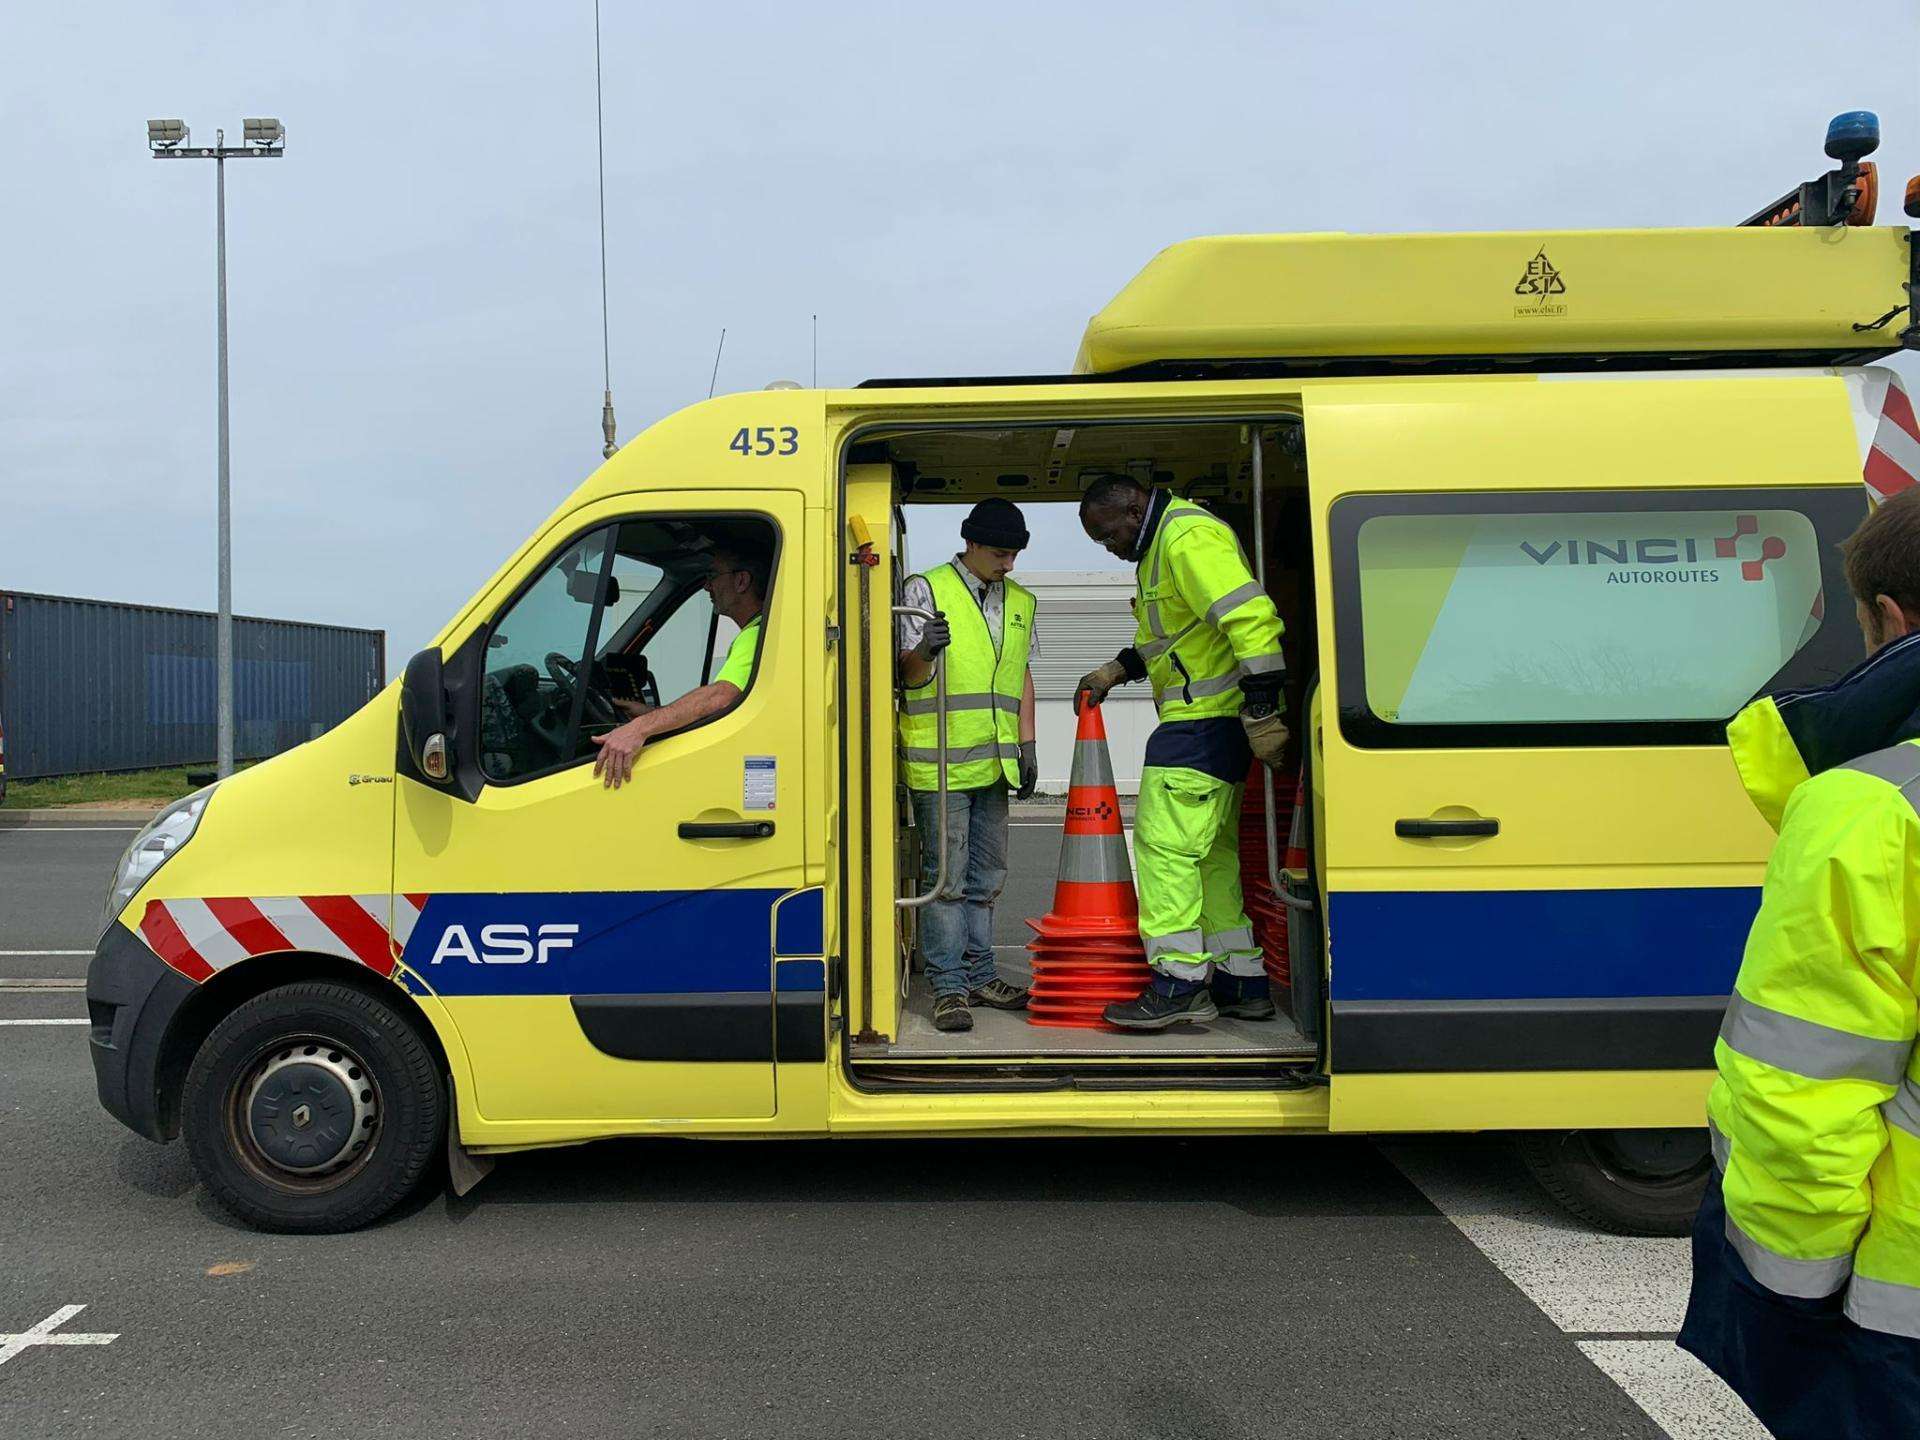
[(912, 902)]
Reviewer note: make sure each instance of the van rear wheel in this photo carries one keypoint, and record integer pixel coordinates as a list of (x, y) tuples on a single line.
[(314, 1108), (1629, 1182)]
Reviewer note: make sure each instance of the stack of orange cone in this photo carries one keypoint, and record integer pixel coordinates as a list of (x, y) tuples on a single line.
[(1264, 910), (1086, 951)]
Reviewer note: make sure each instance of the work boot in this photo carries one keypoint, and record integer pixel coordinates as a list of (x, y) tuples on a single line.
[(1164, 1002), (1242, 997), (950, 1013), (1000, 995)]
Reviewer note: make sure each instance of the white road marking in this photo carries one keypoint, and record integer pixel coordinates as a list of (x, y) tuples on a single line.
[(1626, 1295), (43, 954), (61, 1021), (42, 1334), (68, 829)]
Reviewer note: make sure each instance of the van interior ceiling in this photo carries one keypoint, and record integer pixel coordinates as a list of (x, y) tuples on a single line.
[(1046, 466)]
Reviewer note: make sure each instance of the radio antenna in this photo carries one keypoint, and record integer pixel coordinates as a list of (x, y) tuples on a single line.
[(816, 352), (606, 344), (716, 362)]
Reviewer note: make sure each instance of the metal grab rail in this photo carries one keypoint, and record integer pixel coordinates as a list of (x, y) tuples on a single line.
[(914, 902), (1274, 876)]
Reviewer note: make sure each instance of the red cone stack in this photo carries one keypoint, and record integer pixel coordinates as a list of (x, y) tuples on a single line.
[(1086, 951), (1264, 909)]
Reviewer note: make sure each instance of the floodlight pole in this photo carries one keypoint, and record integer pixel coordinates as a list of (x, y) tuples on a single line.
[(223, 621), (220, 152)]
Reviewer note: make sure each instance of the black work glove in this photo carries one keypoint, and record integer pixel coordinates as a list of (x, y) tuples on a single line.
[(1029, 771), (935, 638)]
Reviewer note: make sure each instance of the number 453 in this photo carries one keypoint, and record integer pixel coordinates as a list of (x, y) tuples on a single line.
[(766, 440)]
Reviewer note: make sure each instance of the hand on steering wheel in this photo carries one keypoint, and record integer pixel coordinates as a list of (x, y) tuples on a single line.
[(598, 708)]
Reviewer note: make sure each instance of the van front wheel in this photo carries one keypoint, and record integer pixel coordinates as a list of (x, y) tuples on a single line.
[(314, 1108), (1629, 1182)]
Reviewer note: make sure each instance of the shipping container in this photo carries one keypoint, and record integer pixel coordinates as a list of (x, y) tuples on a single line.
[(91, 685)]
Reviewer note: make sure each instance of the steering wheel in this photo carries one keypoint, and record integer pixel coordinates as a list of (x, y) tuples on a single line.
[(598, 708)]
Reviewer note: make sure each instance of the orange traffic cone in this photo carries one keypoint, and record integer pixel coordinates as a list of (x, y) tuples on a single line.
[(1086, 950)]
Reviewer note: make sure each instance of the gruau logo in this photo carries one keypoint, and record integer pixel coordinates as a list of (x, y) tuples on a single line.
[(1540, 282)]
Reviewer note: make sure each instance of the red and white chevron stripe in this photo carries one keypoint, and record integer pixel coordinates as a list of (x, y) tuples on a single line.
[(1888, 432), (200, 937)]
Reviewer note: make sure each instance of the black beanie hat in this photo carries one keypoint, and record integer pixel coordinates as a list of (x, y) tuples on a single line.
[(997, 524)]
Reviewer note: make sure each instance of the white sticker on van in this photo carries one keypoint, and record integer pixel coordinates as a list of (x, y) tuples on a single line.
[(761, 780)]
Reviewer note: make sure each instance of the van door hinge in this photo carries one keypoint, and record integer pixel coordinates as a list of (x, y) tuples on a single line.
[(833, 636)]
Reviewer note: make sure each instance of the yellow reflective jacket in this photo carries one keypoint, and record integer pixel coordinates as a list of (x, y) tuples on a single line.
[(1204, 620), (1816, 1112), (985, 683)]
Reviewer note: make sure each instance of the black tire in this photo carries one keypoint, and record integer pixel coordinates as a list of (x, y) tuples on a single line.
[(375, 1086), (1627, 1182)]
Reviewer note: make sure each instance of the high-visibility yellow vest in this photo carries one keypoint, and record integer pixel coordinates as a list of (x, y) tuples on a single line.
[(1204, 620), (984, 686), (1816, 1114)]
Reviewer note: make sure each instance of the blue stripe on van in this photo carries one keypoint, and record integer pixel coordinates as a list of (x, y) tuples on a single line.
[(1537, 944), (640, 942), (799, 923)]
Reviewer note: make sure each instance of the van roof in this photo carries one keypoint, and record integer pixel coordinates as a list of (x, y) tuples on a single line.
[(1831, 292)]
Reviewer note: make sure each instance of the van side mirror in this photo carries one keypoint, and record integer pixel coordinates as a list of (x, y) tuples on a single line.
[(423, 717)]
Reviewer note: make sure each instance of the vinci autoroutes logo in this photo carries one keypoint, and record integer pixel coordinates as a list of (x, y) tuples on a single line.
[(1772, 547), (1662, 559)]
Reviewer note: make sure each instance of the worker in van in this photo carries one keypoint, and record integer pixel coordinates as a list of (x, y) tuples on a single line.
[(1209, 641), (1806, 1252), (736, 583), (984, 621)]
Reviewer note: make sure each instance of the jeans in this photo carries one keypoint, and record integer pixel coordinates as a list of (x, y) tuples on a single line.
[(956, 935)]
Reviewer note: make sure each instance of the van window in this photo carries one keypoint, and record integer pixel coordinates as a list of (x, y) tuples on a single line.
[(1580, 617), (617, 622)]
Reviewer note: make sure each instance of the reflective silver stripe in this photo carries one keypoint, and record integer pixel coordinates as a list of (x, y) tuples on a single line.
[(1721, 1146), (1181, 942), (1094, 860), (988, 701), (1222, 941), (1165, 643), (1092, 765), (1898, 765), (931, 755), (1153, 620), (1804, 1047), (1219, 685), (1884, 1305), (1806, 1279), (1262, 664), (1233, 600), (1903, 1110)]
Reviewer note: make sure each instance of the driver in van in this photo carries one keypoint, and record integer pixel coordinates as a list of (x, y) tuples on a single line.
[(736, 582)]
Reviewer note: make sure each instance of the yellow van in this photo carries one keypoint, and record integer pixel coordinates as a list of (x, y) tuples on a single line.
[(1540, 512)]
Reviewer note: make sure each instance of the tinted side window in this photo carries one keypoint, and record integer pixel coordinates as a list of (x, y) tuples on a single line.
[(1641, 617), (616, 624)]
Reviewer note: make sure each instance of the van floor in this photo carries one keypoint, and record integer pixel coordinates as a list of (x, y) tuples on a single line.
[(1000, 1034)]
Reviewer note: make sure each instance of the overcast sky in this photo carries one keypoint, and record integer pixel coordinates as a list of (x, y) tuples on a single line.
[(415, 324)]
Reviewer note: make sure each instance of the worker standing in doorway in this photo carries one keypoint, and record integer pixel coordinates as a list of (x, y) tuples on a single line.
[(985, 624), (1806, 1252), (1209, 641)]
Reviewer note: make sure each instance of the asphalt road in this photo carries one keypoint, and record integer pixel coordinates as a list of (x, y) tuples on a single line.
[(993, 1288)]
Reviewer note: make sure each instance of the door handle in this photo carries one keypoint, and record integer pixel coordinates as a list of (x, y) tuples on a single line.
[(1433, 829), (725, 829)]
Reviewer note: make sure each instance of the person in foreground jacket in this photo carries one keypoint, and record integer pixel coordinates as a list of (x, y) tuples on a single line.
[(1806, 1252)]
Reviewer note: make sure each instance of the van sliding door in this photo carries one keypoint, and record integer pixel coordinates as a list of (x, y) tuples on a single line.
[(1546, 599)]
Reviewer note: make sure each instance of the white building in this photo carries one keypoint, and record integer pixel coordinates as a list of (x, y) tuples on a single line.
[(1084, 617)]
